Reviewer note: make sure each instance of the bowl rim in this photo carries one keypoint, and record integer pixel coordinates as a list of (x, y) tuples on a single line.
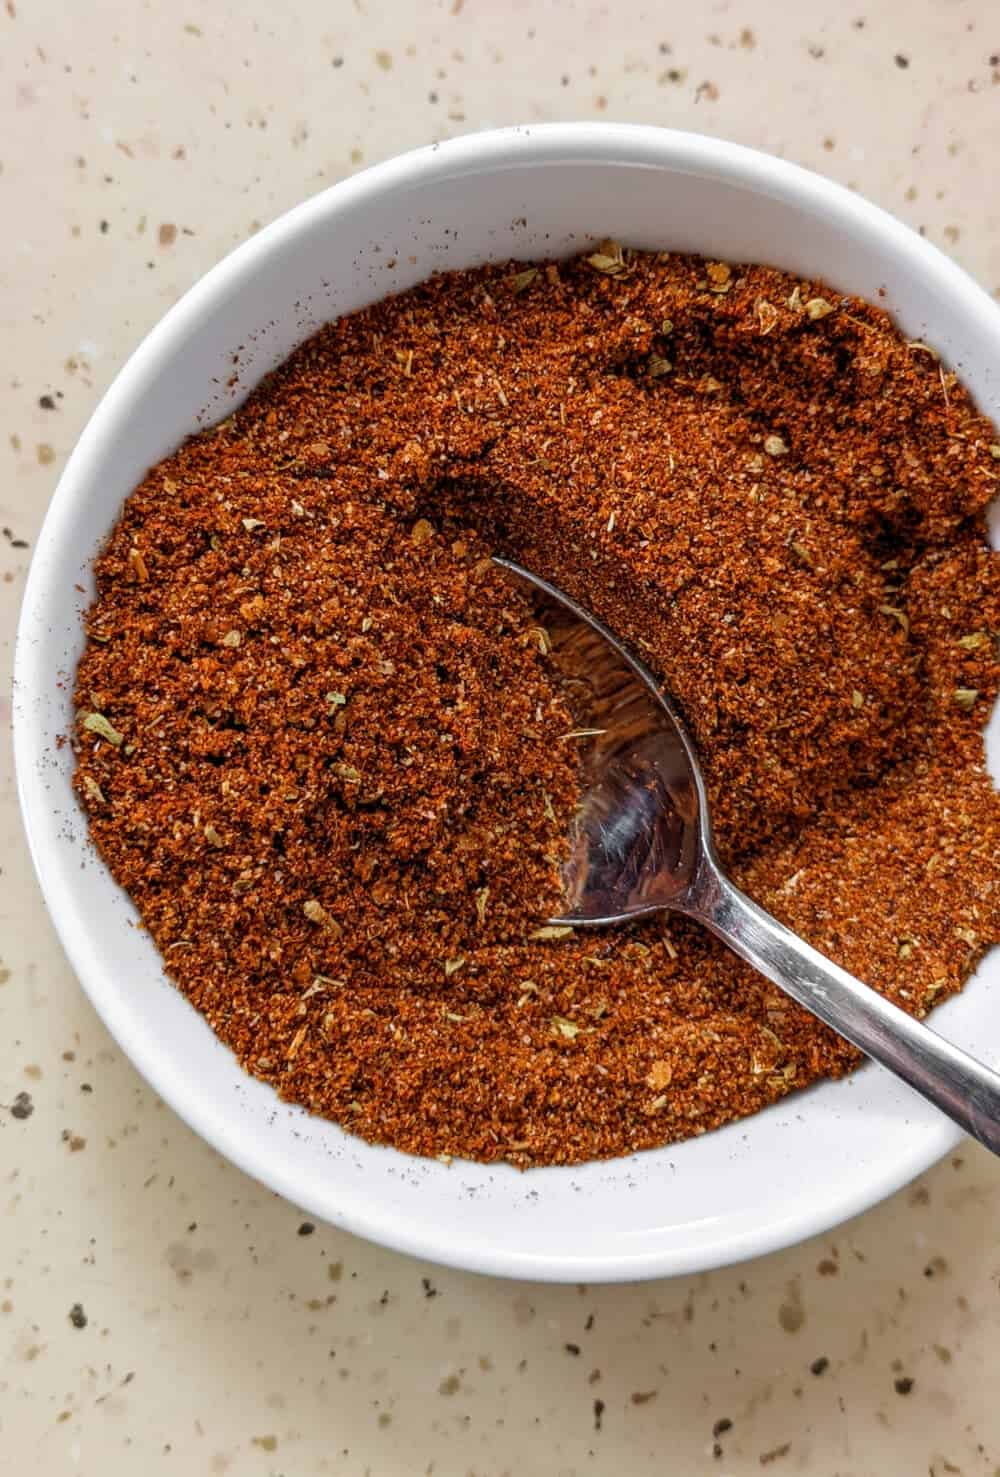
[(519, 146)]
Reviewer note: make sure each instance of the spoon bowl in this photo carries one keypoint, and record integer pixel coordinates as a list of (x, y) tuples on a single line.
[(643, 822)]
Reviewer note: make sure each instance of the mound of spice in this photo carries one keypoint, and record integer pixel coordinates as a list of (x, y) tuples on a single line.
[(322, 745)]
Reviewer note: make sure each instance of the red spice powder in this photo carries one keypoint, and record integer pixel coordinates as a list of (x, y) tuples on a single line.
[(322, 744)]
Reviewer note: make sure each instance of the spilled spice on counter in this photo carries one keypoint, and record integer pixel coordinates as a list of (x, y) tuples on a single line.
[(322, 745)]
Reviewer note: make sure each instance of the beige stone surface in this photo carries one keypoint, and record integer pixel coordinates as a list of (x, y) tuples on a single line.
[(138, 143)]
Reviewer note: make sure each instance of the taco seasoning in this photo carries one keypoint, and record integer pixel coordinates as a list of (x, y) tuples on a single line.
[(322, 745)]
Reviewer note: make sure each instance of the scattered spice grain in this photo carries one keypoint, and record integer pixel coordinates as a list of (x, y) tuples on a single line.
[(322, 743)]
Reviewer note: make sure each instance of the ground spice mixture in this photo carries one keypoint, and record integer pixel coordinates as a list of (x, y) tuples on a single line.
[(322, 745)]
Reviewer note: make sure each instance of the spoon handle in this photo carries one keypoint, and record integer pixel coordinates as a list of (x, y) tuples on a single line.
[(965, 1089)]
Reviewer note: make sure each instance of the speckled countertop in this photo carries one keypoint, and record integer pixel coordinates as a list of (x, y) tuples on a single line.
[(159, 1312)]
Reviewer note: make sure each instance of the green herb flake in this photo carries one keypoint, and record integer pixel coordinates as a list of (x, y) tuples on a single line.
[(609, 259), (521, 281), (897, 615), (564, 1027), (767, 315), (97, 723)]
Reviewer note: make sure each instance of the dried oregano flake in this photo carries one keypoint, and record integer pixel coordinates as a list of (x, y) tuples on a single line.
[(103, 727)]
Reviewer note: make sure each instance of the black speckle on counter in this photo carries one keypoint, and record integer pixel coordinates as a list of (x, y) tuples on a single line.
[(819, 1366), (22, 1106), (903, 1385), (598, 1414), (77, 1316), (902, 62), (306, 1228)]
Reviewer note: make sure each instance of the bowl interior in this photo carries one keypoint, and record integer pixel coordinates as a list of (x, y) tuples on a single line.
[(792, 1171)]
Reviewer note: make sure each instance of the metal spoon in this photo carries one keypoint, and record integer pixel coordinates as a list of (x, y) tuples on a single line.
[(641, 841)]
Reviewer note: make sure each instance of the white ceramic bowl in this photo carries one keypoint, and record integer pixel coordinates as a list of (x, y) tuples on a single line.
[(794, 1170)]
